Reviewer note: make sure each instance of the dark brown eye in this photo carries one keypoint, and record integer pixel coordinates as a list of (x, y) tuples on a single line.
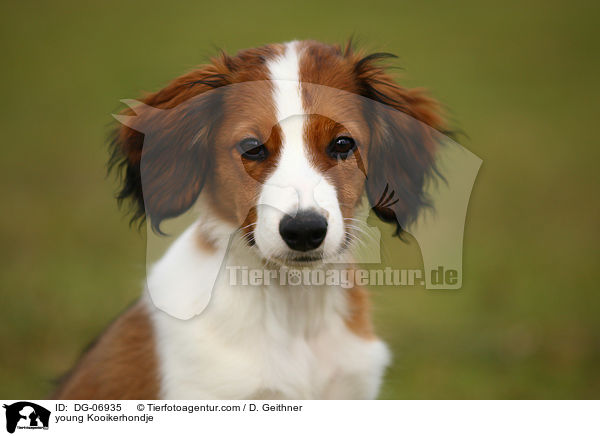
[(341, 147), (252, 149)]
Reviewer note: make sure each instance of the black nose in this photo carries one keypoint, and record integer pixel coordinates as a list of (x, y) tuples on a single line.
[(303, 232)]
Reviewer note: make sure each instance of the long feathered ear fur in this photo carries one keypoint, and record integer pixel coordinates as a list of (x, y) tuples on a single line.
[(159, 150), (406, 130)]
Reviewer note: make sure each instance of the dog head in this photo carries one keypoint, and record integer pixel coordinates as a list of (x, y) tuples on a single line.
[(283, 141)]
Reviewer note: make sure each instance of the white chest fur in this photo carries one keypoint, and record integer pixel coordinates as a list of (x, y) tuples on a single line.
[(271, 342)]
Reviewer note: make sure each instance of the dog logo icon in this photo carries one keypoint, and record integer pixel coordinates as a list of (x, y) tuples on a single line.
[(26, 415)]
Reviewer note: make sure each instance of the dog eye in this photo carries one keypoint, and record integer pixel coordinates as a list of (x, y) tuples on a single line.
[(252, 149), (341, 147)]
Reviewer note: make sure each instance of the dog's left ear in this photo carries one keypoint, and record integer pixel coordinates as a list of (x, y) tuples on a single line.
[(406, 130)]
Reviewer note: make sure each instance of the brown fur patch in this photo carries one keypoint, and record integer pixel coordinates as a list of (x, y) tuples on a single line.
[(121, 365), (330, 93), (236, 182), (359, 316), (204, 242)]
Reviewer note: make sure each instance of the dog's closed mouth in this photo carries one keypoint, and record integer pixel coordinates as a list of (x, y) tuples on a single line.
[(301, 259)]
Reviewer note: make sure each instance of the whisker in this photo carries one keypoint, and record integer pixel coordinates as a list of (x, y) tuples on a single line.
[(362, 231)]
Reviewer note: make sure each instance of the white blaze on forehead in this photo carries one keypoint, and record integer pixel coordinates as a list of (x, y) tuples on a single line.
[(284, 71), (295, 182), (294, 168)]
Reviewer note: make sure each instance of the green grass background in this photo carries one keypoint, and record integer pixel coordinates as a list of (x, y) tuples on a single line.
[(519, 77)]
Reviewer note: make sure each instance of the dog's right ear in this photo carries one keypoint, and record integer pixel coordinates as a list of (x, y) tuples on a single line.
[(160, 149)]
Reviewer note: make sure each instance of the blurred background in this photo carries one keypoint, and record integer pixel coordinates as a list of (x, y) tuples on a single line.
[(520, 78)]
